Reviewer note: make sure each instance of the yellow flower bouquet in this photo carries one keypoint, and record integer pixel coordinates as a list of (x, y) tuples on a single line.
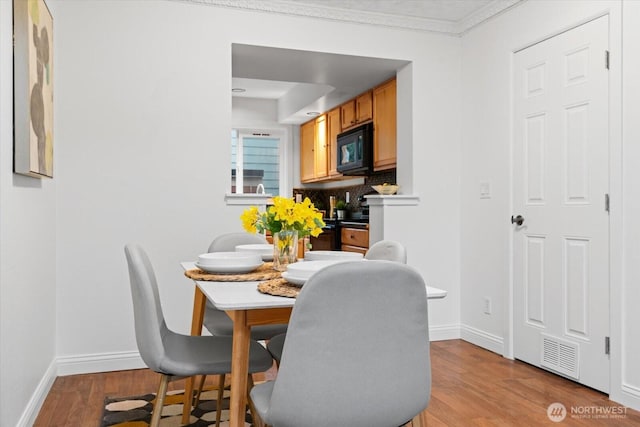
[(287, 221), (284, 214)]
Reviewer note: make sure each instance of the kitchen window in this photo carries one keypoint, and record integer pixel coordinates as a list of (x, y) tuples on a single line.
[(255, 162)]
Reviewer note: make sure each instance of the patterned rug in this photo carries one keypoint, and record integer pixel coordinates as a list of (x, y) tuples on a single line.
[(135, 411)]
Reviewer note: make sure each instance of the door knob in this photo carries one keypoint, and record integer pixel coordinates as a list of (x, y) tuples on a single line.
[(517, 219)]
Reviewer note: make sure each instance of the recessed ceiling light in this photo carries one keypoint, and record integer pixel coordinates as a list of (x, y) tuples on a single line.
[(313, 113), (238, 90)]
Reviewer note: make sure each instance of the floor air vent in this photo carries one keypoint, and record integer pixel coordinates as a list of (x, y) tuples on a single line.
[(560, 356)]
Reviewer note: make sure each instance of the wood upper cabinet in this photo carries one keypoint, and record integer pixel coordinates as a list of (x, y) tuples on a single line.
[(314, 150), (307, 151), (356, 111), (333, 129), (385, 127), (321, 165)]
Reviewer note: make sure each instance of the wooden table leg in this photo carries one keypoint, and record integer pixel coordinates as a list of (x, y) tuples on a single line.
[(239, 367), (417, 420), (199, 303)]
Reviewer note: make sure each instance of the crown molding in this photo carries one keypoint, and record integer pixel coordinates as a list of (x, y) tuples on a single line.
[(483, 14), (288, 7)]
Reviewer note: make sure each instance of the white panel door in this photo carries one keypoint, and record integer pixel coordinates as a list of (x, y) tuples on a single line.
[(561, 179)]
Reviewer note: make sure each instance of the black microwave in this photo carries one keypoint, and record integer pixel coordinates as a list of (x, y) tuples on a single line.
[(354, 152)]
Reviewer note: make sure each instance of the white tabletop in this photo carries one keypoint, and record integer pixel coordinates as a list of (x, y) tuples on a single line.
[(245, 295)]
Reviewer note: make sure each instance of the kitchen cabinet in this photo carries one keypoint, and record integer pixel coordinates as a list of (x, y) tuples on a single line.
[(384, 126), (321, 165), (356, 111), (307, 151), (324, 242), (313, 150), (333, 129), (355, 239)]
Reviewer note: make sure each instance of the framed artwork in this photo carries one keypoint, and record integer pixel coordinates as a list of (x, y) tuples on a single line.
[(33, 88)]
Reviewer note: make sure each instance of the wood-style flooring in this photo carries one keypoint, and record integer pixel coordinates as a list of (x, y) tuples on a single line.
[(471, 387)]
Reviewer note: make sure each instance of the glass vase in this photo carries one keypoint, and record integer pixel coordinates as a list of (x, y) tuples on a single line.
[(285, 249)]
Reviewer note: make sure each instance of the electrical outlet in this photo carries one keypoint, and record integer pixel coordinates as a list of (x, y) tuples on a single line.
[(487, 305)]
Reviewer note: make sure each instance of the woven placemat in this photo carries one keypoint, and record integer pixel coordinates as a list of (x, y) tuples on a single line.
[(264, 272), (279, 287)]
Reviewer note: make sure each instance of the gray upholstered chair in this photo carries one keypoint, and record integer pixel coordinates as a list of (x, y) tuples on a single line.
[(351, 336), (216, 321), (385, 250), (173, 355)]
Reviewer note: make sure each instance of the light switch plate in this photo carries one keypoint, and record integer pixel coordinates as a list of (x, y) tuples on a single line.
[(485, 190)]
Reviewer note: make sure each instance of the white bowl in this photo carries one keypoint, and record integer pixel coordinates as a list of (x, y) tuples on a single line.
[(229, 259), (293, 279), (224, 269), (265, 250), (332, 255), (305, 269)]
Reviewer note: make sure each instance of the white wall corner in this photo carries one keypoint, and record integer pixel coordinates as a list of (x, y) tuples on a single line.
[(482, 339), (102, 362), (31, 410)]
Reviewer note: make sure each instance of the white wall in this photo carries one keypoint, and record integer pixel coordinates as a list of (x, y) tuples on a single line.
[(143, 119), (626, 323), (27, 264), (486, 143)]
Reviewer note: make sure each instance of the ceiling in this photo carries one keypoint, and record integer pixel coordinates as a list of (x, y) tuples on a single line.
[(303, 82)]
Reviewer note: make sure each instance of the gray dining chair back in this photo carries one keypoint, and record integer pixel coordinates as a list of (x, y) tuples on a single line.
[(174, 355), (388, 250), (352, 336), (150, 325), (228, 242)]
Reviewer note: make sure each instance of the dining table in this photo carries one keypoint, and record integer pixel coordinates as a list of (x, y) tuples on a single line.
[(246, 307)]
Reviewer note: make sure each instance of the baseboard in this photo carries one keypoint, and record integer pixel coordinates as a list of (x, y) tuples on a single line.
[(101, 362), (32, 409), (482, 339), (444, 332), (628, 395)]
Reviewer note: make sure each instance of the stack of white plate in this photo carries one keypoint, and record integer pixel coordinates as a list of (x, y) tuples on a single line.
[(265, 250), (229, 262), (332, 255), (300, 272)]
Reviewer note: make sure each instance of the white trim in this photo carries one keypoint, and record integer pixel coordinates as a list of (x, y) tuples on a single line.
[(444, 332), (31, 410), (247, 199), (288, 7), (394, 200), (482, 339), (628, 395), (632, 390), (99, 362)]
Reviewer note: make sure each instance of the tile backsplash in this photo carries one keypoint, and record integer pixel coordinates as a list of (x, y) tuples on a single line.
[(320, 197)]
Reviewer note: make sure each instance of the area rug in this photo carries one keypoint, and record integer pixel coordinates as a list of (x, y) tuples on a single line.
[(135, 411)]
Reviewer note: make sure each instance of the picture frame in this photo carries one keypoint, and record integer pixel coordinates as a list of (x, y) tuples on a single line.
[(33, 88)]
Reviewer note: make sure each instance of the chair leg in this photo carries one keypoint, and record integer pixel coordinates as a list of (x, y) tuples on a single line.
[(199, 390), (221, 380), (157, 408)]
